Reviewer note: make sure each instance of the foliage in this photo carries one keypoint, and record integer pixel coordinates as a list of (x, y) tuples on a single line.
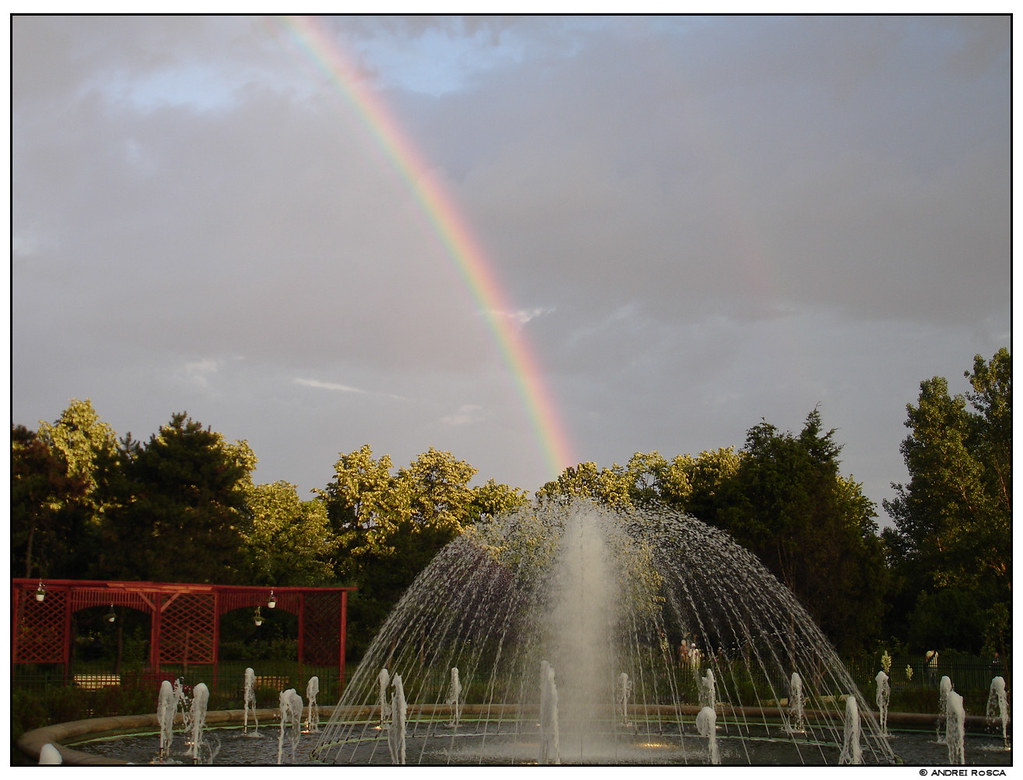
[(953, 519), (289, 541), (182, 510), (57, 496), (812, 527)]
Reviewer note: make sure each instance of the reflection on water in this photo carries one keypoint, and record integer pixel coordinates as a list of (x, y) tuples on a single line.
[(231, 747)]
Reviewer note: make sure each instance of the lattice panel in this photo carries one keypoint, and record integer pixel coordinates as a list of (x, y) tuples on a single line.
[(187, 629), (40, 628), (322, 640)]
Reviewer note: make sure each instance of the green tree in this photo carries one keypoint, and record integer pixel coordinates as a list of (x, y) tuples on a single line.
[(290, 541), (183, 514), (43, 502), (609, 485), (493, 499), (59, 497), (811, 527), (953, 519), (390, 526)]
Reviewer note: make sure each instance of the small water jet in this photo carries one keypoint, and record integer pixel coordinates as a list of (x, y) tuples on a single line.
[(852, 750), (624, 690), (997, 709), (595, 592), (383, 680), (796, 713), (706, 725), (291, 723), (883, 696), (312, 688), (200, 701), (249, 699), (708, 691), (550, 741), (955, 728), (396, 733), (944, 687), (167, 705), (454, 696)]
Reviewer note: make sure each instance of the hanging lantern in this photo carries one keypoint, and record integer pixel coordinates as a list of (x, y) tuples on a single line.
[(40, 591), (257, 618), (111, 616), (272, 601)]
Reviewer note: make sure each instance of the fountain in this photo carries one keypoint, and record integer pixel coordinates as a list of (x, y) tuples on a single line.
[(200, 700), (594, 593), (399, 711), (291, 723), (550, 739), (167, 705), (454, 694), (955, 728), (249, 698), (944, 687), (708, 694), (997, 709), (852, 750), (624, 689), (312, 688), (706, 725), (883, 696), (796, 713), (383, 680)]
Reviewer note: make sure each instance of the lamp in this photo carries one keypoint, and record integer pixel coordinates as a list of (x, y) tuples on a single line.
[(40, 591), (257, 618), (111, 616), (272, 601)]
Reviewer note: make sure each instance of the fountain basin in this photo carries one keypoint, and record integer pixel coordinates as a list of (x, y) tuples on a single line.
[(65, 736)]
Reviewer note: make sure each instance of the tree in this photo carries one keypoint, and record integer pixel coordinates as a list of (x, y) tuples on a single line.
[(953, 519), (42, 498), (390, 526), (58, 496), (610, 486), (290, 541), (811, 527), (183, 514), (493, 499)]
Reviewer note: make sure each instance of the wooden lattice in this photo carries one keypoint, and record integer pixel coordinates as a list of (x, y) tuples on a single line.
[(322, 635), (184, 617), (40, 628), (187, 629)]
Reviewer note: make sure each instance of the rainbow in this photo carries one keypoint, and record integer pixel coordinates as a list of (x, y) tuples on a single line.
[(453, 230)]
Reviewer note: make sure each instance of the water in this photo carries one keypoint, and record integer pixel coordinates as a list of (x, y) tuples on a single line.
[(997, 709), (883, 696), (796, 704), (955, 728), (454, 696), (944, 687), (852, 750), (238, 749), (706, 725), (291, 724), (249, 693), (396, 731), (200, 700), (312, 689), (595, 594)]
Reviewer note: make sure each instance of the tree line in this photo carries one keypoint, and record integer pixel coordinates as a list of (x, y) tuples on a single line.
[(182, 506)]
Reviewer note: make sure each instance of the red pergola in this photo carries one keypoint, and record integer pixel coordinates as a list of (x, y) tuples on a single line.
[(184, 618)]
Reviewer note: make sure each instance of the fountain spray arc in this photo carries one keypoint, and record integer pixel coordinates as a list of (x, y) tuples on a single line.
[(596, 593)]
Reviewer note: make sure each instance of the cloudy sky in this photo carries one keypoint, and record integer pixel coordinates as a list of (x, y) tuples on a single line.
[(694, 224)]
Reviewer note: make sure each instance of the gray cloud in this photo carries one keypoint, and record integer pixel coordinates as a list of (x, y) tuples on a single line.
[(698, 222)]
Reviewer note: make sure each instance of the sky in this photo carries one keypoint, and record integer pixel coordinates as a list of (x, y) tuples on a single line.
[(530, 241)]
